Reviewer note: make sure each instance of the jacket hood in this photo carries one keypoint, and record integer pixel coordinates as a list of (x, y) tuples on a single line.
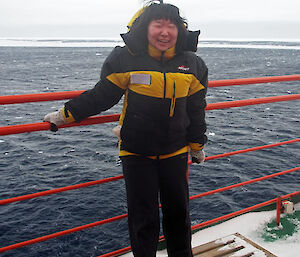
[(132, 43)]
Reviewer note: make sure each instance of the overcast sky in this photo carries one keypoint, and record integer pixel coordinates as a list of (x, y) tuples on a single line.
[(217, 19)]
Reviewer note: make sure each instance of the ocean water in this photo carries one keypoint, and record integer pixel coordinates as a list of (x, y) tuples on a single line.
[(41, 161)]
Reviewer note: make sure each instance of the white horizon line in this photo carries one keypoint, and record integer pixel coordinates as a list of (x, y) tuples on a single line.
[(120, 39)]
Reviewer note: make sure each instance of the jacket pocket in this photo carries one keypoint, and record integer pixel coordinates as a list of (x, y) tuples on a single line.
[(139, 134)]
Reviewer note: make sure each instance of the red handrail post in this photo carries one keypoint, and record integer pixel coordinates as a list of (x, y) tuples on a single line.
[(278, 210)]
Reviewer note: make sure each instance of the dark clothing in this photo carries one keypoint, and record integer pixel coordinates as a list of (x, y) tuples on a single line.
[(145, 180)]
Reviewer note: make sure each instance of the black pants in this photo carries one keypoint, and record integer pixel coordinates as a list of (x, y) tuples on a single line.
[(145, 180)]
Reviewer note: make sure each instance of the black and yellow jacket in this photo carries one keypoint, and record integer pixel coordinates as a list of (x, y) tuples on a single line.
[(164, 103)]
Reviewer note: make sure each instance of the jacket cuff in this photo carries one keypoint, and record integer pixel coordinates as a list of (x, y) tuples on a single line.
[(196, 146), (67, 115)]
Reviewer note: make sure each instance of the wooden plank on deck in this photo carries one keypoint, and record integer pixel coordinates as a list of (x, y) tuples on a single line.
[(230, 245)]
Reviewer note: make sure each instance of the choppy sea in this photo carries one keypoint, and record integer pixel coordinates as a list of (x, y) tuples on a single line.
[(39, 161)]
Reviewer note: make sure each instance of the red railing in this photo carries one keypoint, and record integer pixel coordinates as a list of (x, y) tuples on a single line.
[(55, 96), (7, 130), (102, 181), (15, 99), (16, 129), (247, 81)]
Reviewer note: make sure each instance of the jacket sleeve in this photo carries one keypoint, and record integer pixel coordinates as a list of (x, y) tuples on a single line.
[(196, 108), (105, 94)]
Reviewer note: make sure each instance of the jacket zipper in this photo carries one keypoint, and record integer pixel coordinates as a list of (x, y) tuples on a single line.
[(165, 84), (173, 100), (165, 78)]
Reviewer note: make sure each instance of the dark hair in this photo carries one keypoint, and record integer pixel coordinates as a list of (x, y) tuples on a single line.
[(157, 11)]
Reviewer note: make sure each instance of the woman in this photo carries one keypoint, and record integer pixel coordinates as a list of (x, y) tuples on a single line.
[(163, 117)]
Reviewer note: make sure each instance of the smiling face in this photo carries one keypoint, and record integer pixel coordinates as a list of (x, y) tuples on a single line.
[(162, 34)]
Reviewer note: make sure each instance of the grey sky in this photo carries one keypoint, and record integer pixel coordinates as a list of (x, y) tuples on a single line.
[(227, 19)]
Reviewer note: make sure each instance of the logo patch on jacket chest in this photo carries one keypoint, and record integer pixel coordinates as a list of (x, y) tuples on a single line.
[(183, 68), (137, 78)]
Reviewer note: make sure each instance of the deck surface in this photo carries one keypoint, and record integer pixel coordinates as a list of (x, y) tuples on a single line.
[(232, 245)]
